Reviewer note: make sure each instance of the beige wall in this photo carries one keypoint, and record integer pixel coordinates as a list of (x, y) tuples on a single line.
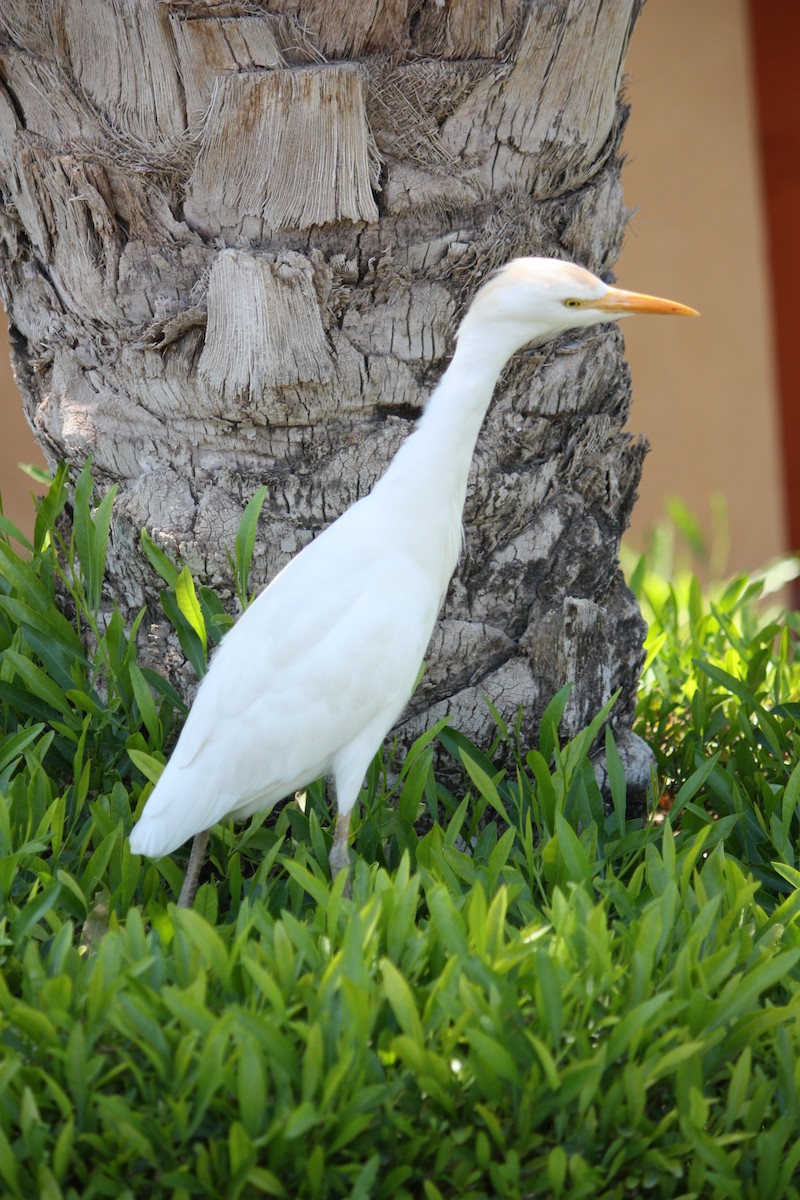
[(16, 445), (703, 390)]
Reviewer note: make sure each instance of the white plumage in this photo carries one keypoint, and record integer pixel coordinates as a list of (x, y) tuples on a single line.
[(318, 669)]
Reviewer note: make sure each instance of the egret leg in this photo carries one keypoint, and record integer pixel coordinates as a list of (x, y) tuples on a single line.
[(193, 868), (339, 856)]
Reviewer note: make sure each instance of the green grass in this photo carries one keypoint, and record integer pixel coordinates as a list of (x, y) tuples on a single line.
[(529, 995)]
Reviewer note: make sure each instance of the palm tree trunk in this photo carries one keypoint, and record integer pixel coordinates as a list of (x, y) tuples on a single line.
[(235, 245)]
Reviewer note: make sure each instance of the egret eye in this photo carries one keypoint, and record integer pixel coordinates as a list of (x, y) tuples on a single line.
[(572, 304)]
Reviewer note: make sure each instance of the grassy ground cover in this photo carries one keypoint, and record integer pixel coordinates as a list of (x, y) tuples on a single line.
[(529, 995)]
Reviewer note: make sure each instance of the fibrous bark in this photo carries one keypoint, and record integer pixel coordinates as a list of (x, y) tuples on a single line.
[(236, 240)]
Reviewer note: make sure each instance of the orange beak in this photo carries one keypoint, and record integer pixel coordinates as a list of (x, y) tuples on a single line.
[(617, 301)]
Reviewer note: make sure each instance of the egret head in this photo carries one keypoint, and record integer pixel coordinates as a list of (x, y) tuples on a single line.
[(534, 299)]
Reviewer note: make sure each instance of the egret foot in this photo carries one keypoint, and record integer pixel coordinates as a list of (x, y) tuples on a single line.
[(193, 868), (339, 856)]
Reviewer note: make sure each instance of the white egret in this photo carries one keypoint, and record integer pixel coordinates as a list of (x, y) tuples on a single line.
[(318, 669)]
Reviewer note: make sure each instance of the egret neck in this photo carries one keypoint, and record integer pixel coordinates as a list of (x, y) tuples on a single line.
[(434, 462)]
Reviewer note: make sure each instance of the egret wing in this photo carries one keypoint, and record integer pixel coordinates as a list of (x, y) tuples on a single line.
[(321, 654)]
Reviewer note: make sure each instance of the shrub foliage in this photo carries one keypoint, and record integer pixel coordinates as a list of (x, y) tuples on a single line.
[(529, 994)]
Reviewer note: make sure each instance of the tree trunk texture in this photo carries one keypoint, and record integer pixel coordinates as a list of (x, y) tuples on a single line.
[(236, 241)]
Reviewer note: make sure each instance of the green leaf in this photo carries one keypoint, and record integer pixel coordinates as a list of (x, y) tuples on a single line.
[(551, 719), (790, 798), (49, 507), (743, 693), (49, 622), (300, 1120), (205, 940), (447, 921), (479, 768), (9, 530), (742, 992), (8, 1165), (217, 620), (245, 542), (90, 531), (159, 560), (616, 781), (572, 854), (23, 579), (97, 864), (401, 1001), (545, 790), (61, 662), (38, 682), (190, 641), (549, 995), (313, 1071), (581, 744), (316, 888), (11, 747), (693, 785), (494, 1054), (36, 473), (738, 1088), (190, 606), (33, 912), (251, 1084), (145, 702), (63, 1148), (152, 768), (101, 524)]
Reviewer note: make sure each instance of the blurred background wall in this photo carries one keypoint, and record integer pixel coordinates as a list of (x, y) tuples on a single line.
[(706, 393)]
